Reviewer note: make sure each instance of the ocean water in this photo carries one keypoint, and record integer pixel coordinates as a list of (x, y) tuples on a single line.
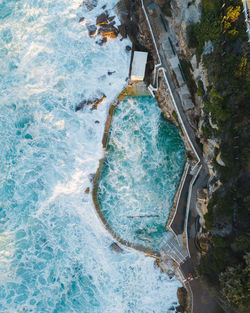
[(54, 251), (142, 168)]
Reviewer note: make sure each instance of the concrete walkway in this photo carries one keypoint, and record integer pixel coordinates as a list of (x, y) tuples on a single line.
[(202, 301), (179, 219)]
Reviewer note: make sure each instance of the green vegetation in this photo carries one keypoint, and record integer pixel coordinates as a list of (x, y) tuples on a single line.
[(235, 284), (166, 8), (175, 116), (226, 265), (186, 67), (200, 91)]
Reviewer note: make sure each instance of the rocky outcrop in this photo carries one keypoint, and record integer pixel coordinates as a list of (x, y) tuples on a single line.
[(104, 27), (104, 19), (134, 25), (92, 30), (108, 31), (95, 102), (183, 13), (90, 4), (87, 190), (201, 204), (182, 298), (165, 101), (219, 160), (116, 248)]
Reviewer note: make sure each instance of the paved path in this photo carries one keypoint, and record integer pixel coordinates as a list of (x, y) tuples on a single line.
[(179, 219), (202, 302), (157, 27)]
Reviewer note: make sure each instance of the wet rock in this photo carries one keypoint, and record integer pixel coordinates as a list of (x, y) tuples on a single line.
[(108, 31), (114, 246), (95, 102), (102, 19), (90, 4), (128, 48), (111, 18), (123, 30), (81, 19), (92, 30), (87, 190), (101, 41), (91, 177), (110, 73), (182, 298), (179, 309)]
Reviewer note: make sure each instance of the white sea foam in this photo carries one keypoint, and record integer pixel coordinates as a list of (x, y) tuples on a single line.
[(54, 250), (142, 168)]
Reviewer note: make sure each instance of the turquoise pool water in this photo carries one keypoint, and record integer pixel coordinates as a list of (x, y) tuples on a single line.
[(143, 164)]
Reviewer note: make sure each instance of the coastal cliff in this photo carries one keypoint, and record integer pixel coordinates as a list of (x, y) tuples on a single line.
[(211, 44)]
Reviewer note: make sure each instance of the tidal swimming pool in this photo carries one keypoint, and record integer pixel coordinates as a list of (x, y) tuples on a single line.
[(142, 167)]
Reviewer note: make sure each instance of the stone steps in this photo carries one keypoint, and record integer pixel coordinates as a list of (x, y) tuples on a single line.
[(171, 248)]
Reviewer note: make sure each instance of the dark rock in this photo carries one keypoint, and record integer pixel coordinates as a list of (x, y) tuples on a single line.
[(81, 19), (92, 30), (123, 30), (128, 48), (104, 6), (179, 309), (81, 105), (97, 122), (101, 41), (114, 246), (111, 18), (102, 19), (97, 101), (91, 177), (90, 4), (87, 191), (182, 298), (110, 73), (94, 103)]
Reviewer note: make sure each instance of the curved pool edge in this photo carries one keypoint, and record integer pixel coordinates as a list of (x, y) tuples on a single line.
[(140, 248)]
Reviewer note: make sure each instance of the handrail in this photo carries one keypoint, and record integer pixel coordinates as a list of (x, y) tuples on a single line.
[(151, 88), (188, 205), (153, 37), (171, 93), (186, 169)]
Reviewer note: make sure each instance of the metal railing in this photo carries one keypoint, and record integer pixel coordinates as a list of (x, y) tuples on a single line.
[(198, 164)]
